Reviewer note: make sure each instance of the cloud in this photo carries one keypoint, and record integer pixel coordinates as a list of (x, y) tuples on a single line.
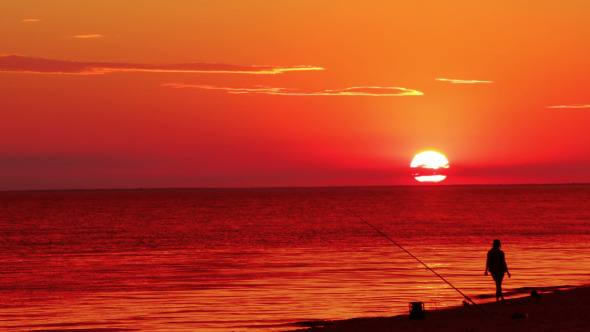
[(88, 36), (456, 81), (258, 89), (22, 64), (570, 106), (353, 91), (30, 20)]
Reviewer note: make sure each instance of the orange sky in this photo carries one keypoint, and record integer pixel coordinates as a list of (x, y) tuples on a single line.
[(232, 93)]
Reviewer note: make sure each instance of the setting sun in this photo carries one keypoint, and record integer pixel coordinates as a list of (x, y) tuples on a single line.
[(428, 166)]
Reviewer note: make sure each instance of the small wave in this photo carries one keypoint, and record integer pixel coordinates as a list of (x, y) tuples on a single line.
[(67, 327), (99, 329), (525, 290)]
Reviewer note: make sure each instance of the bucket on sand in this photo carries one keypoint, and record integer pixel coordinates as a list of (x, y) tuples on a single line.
[(417, 310)]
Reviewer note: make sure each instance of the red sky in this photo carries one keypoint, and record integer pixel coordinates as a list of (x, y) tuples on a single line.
[(231, 93)]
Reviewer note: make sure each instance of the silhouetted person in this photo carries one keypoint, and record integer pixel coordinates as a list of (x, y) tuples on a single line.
[(496, 264)]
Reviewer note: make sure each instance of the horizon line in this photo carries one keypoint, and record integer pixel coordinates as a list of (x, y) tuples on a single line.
[(299, 187)]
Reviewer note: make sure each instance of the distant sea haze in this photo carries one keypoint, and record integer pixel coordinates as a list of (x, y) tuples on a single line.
[(263, 259)]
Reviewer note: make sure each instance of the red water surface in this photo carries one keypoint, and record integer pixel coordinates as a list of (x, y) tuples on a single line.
[(261, 259)]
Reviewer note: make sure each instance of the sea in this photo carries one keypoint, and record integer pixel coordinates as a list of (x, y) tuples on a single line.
[(276, 259)]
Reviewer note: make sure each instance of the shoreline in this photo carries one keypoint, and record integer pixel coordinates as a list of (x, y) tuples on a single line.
[(559, 310)]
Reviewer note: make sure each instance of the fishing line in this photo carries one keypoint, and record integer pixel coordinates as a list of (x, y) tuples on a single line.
[(419, 261)]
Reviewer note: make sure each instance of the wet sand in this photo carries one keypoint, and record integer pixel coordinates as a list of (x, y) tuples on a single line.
[(562, 310)]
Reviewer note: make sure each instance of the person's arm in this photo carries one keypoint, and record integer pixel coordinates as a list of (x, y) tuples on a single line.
[(485, 273)]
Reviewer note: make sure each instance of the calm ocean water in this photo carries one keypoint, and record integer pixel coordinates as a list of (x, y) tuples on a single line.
[(262, 259)]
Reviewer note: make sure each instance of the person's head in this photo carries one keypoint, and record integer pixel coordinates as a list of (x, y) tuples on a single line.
[(496, 243)]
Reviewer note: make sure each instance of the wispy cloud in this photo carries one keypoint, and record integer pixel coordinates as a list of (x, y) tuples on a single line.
[(22, 64), (256, 89), (30, 20), (88, 36), (352, 91), (570, 106), (456, 81)]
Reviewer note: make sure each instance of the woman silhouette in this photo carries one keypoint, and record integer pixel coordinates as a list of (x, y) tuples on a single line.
[(496, 264)]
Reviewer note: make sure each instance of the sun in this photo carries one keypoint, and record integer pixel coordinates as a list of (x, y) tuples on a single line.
[(429, 166)]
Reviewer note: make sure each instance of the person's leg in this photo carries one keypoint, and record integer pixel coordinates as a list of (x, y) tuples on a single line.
[(498, 279)]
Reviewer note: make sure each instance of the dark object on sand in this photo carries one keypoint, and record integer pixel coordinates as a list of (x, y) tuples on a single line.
[(519, 315), (466, 304), (535, 294), (417, 310)]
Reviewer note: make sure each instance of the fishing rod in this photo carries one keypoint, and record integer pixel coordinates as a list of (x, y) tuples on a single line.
[(419, 261)]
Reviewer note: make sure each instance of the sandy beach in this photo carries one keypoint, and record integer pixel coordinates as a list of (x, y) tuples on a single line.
[(562, 310)]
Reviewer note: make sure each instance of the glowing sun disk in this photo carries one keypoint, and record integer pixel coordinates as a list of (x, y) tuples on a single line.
[(427, 166)]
